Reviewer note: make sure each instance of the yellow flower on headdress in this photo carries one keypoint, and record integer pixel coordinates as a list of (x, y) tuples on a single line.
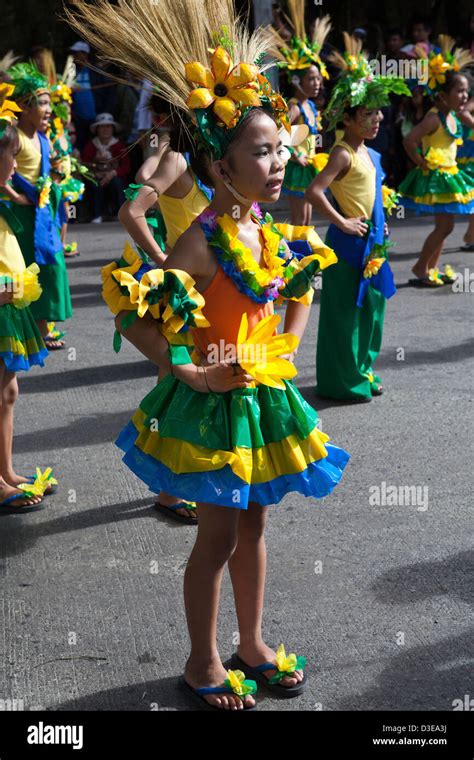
[(437, 67), (259, 353), (61, 92), (223, 85), (8, 108)]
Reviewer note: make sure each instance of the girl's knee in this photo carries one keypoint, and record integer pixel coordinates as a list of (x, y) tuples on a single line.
[(9, 393)]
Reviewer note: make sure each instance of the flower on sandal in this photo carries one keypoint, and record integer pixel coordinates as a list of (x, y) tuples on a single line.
[(239, 685), (259, 353), (287, 664), (449, 272), (434, 276), (43, 481), (224, 86)]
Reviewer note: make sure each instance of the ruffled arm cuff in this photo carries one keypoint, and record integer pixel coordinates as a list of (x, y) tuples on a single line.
[(309, 256)]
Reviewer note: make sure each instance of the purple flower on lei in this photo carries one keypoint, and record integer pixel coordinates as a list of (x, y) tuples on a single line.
[(272, 292), (208, 218)]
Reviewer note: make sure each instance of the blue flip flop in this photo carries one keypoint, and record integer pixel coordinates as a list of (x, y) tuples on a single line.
[(171, 511), (7, 510), (199, 694), (257, 673)]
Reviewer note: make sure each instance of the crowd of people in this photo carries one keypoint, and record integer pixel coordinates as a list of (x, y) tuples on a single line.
[(234, 435)]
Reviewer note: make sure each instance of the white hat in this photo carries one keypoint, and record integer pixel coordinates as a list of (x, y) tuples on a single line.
[(80, 47), (104, 118), (299, 132)]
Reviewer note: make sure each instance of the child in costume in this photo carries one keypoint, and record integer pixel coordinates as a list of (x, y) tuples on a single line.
[(354, 292), (300, 57), (235, 437), (465, 160), (182, 197), (36, 198), (63, 165), (437, 185), (21, 345)]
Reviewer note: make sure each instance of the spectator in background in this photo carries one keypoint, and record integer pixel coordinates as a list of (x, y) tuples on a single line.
[(394, 45), (106, 156), (420, 32), (92, 93)]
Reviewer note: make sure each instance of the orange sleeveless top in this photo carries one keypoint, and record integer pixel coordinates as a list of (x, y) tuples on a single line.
[(223, 309)]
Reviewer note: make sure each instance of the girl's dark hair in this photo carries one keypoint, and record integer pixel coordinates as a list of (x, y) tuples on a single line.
[(349, 111), (451, 79), (10, 140)]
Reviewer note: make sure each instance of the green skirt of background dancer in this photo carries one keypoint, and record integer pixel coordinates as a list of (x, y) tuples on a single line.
[(349, 337), (54, 305)]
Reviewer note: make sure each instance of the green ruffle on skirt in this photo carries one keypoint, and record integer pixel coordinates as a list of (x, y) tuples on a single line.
[(254, 416), (54, 304), (437, 186), (21, 344), (298, 178)]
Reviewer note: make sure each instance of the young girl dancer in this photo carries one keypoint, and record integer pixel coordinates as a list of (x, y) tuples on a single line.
[(300, 57), (355, 291), (21, 345), (437, 185), (465, 159), (36, 198), (234, 437)]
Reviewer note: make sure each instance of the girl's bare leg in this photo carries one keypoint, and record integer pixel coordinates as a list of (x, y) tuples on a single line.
[(247, 567), (469, 234), (9, 479), (433, 245), (142, 334), (215, 543)]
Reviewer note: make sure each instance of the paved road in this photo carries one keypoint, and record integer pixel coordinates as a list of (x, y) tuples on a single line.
[(376, 596)]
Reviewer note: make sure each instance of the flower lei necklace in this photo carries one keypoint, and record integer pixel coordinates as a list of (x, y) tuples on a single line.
[(444, 121), (261, 284)]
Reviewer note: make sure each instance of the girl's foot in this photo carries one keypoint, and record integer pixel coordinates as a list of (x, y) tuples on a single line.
[(199, 675), (52, 344), (15, 480), (25, 501), (256, 654), (165, 500)]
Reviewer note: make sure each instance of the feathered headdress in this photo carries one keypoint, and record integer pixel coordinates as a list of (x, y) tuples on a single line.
[(357, 84), (8, 108), (27, 80), (196, 53), (301, 52), (448, 59)]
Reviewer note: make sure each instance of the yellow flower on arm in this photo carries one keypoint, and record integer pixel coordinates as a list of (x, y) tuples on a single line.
[(320, 161), (224, 86), (259, 353)]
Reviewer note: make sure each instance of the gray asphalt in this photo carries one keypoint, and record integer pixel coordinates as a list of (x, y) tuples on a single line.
[(377, 597)]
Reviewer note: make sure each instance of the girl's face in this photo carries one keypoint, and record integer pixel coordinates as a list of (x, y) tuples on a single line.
[(458, 95), (255, 164), (311, 82), (8, 162), (38, 112), (365, 124)]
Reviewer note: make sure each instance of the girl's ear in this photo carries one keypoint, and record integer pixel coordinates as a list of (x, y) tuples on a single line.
[(218, 171)]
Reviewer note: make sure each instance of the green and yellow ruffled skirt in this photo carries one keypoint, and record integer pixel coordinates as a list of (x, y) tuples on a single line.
[(247, 445), (438, 191), (21, 344)]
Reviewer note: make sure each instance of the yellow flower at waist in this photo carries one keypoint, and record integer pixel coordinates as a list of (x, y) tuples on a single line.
[(438, 158), (224, 86), (45, 191), (8, 108), (259, 353), (27, 288), (372, 267), (320, 161)]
